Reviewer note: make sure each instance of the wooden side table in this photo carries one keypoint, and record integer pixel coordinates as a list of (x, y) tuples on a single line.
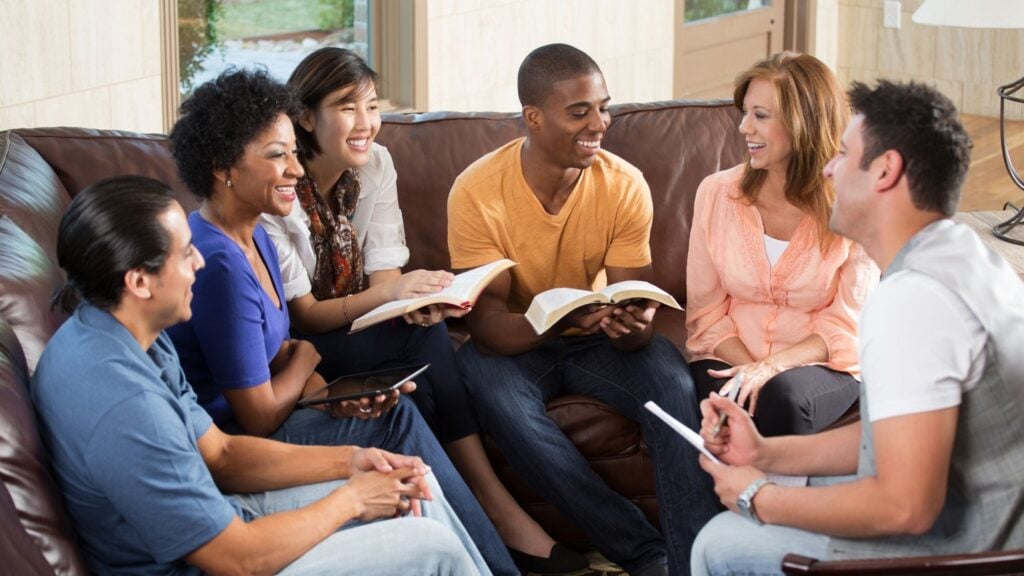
[(982, 222)]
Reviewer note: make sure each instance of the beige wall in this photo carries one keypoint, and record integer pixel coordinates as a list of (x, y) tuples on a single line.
[(90, 63), (475, 47), (96, 63), (824, 42), (965, 64)]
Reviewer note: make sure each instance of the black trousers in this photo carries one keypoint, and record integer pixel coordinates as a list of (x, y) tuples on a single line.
[(802, 400), (440, 394)]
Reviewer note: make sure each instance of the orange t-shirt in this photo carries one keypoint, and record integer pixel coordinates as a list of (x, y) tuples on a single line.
[(493, 214), (733, 290)]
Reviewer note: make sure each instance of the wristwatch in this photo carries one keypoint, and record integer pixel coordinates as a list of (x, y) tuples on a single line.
[(745, 502)]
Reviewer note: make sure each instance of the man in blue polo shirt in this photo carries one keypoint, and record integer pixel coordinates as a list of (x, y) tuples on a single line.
[(144, 470)]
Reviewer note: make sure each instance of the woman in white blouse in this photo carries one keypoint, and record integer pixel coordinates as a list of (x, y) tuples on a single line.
[(346, 226)]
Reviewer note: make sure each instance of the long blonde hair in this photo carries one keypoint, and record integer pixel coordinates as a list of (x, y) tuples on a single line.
[(814, 111)]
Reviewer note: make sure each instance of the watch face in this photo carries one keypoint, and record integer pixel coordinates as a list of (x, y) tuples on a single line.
[(744, 506)]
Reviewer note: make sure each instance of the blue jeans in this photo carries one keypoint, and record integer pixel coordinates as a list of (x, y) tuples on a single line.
[(403, 431), (510, 393), (731, 544), (434, 544)]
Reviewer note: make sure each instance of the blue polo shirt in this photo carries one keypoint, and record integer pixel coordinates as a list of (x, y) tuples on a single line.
[(122, 426)]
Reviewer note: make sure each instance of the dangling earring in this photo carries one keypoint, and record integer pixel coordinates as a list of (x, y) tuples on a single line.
[(229, 183)]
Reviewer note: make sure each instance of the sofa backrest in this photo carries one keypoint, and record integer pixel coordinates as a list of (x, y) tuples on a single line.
[(675, 144)]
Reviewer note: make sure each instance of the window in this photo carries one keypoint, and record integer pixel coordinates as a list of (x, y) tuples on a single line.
[(717, 39), (277, 34), (201, 38), (704, 9)]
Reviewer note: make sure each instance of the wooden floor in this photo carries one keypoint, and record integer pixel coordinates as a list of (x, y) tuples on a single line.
[(988, 185)]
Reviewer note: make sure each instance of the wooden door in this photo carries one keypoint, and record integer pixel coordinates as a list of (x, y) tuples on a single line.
[(717, 39)]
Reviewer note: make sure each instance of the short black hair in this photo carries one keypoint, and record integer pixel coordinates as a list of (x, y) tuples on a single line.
[(921, 124), (220, 118), (547, 65), (322, 72), (110, 228)]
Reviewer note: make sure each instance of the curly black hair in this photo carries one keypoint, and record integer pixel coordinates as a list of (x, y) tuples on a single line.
[(220, 118)]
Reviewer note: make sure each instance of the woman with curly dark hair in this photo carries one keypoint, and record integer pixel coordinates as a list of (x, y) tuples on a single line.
[(235, 148), (341, 250)]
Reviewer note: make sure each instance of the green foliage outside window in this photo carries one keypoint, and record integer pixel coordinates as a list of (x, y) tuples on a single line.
[(335, 14), (203, 25), (701, 9), (197, 36)]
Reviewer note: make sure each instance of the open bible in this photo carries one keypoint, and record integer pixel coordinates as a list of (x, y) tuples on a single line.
[(550, 306), (462, 292)]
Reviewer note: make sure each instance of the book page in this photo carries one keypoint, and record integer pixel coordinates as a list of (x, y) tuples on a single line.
[(629, 289), (467, 286), (551, 305), (550, 300), (461, 292)]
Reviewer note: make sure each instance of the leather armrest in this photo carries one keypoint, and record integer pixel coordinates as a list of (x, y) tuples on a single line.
[(1003, 562)]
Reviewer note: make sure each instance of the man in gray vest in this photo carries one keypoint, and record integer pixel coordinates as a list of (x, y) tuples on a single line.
[(939, 452)]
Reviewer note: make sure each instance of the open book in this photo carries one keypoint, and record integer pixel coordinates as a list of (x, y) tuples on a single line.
[(462, 293), (550, 306)]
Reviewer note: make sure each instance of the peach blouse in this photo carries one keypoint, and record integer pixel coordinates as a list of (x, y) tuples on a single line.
[(732, 290)]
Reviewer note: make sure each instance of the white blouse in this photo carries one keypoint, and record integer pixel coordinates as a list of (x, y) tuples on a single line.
[(378, 224)]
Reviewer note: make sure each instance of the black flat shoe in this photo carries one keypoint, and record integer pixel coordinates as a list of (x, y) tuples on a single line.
[(561, 560)]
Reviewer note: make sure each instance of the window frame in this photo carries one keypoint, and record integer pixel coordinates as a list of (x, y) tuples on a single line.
[(398, 51)]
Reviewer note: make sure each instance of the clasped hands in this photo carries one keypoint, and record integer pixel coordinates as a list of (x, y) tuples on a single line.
[(750, 377), (615, 320), (385, 485)]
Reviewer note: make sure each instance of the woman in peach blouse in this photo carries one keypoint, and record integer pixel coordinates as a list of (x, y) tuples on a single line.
[(773, 296)]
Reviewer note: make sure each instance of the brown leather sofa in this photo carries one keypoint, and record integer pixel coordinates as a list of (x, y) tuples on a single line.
[(675, 144)]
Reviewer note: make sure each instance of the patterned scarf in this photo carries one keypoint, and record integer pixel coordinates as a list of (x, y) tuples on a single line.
[(339, 261)]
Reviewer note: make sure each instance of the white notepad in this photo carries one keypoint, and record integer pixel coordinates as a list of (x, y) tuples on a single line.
[(692, 437), (697, 442)]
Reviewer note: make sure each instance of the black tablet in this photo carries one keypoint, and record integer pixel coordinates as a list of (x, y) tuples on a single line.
[(365, 385)]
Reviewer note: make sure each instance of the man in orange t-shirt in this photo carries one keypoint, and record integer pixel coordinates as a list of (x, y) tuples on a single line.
[(572, 214)]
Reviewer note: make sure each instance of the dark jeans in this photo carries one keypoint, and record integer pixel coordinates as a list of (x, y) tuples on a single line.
[(440, 394), (802, 400), (403, 431), (510, 393)]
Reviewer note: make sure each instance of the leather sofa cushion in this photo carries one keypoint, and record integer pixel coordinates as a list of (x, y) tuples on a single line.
[(83, 156), (34, 197), (35, 534), (27, 279)]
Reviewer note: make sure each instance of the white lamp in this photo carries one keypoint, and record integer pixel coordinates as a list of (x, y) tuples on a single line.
[(971, 13), (985, 14)]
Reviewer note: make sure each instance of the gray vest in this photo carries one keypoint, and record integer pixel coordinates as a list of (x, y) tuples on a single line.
[(984, 508)]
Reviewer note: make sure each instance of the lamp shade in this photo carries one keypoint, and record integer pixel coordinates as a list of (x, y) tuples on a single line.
[(972, 13)]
